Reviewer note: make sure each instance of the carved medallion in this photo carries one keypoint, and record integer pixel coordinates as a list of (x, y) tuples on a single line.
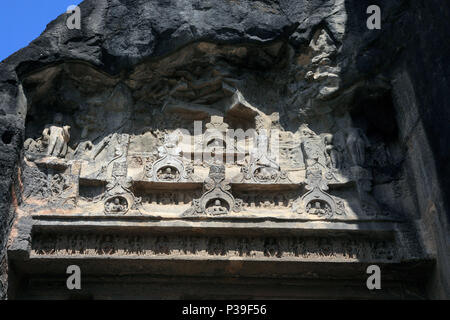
[(317, 201), (216, 199), (169, 166), (116, 205)]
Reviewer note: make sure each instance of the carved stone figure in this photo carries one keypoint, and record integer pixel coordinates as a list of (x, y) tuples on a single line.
[(170, 146), (106, 245), (168, 174), (216, 209), (263, 167), (54, 139), (36, 146), (216, 145), (272, 248), (357, 143), (217, 124), (334, 155), (313, 147), (318, 207), (261, 155), (169, 167), (217, 198), (58, 137), (162, 245), (216, 246), (116, 205), (118, 197), (380, 155), (317, 201)]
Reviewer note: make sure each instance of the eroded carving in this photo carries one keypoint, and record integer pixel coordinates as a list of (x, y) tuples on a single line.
[(54, 139), (317, 201), (116, 205), (217, 198), (119, 198), (357, 143), (169, 166), (152, 162), (263, 166), (248, 247)]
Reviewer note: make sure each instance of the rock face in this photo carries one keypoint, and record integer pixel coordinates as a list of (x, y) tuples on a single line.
[(346, 165)]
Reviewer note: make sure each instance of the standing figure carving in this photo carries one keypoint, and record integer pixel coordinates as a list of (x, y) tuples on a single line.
[(170, 146), (57, 136), (357, 143), (54, 140), (313, 149), (332, 152)]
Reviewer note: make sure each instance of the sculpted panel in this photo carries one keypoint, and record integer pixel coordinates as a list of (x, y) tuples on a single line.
[(218, 155), (187, 246)]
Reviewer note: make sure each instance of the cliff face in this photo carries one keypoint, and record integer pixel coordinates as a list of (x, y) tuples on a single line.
[(393, 82)]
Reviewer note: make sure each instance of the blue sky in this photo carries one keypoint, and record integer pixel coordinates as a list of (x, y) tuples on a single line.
[(22, 21)]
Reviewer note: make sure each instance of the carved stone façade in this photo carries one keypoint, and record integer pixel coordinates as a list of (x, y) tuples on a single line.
[(105, 168), (115, 175), (275, 247)]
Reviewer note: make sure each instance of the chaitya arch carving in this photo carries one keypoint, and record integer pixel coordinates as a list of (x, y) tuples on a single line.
[(169, 166), (217, 198)]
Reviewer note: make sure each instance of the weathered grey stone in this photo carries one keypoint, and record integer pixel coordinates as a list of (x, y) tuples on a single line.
[(362, 155)]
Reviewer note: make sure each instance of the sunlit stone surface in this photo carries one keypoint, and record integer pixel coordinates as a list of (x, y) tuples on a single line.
[(223, 149)]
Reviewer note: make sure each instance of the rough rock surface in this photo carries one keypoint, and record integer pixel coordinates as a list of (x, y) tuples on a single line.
[(407, 60)]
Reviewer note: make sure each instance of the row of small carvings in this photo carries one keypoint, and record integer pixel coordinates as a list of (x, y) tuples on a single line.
[(250, 199), (277, 247)]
